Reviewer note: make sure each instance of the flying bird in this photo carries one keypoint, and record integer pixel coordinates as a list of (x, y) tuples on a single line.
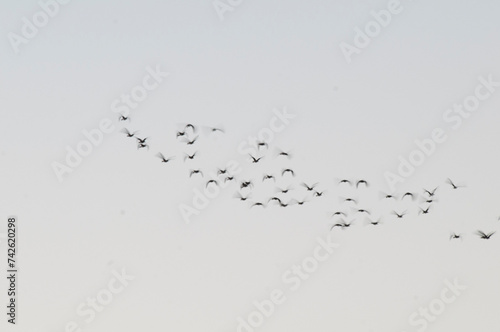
[(309, 187), (361, 182), (254, 159), (430, 193), (287, 170), (190, 157), (163, 159), (195, 171), (399, 215), (268, 177), (484, 236), (241, 197), (128, 133), (454, 186), (211, 181), (141, 140)]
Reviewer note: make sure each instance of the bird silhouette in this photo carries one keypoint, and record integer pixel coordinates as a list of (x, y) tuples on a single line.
[(192, 141), (424, 211), (454, 186), (430, 193), (399, 215), (484, 236), (211, 181), (195, 171), (268, 177), (142, 146), (163, 159), (128, 133), (123, 118), (455, 236), (141, 140), (287, 170), (258, 204), (190, 156), (261, 144), (361, 182), (309, 187), (241, 197), (246, 184), (255, 160)]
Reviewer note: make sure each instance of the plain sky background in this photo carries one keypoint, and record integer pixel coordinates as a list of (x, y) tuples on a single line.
[(119, 208)]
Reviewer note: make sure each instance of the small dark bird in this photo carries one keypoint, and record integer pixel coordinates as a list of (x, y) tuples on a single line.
[(484, 236), (408, 194), (282, 153), (424, 211), (342, 225), (241, 197), (399, 215), (387, 196), (190, 126), (454, 186), (211, 181), (294, 201), (318, 193), (363, 211), (345, 181), (268, 177), (375, 222), (274, 198), (190, 157), (430, 193), (350, 200), (287, 170), (142, 146), (339, 213), (246, 184), (309, 187), (191, 142), (163, 159), (454, 236), (254, 159), (128, 133), (180, 133), (214, 130), (361, 182), (195, 171), (123, 118), (261, 144), (221, 171), (284, 191), (141, 140), (258, 204), (229, 178)]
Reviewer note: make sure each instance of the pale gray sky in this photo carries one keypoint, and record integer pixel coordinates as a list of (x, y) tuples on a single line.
[(120, 207)]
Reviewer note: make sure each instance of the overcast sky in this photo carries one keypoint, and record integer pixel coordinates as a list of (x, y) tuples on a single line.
[(351, 117)]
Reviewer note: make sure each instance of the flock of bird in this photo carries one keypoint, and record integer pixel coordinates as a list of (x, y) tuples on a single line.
[(298, 192)]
